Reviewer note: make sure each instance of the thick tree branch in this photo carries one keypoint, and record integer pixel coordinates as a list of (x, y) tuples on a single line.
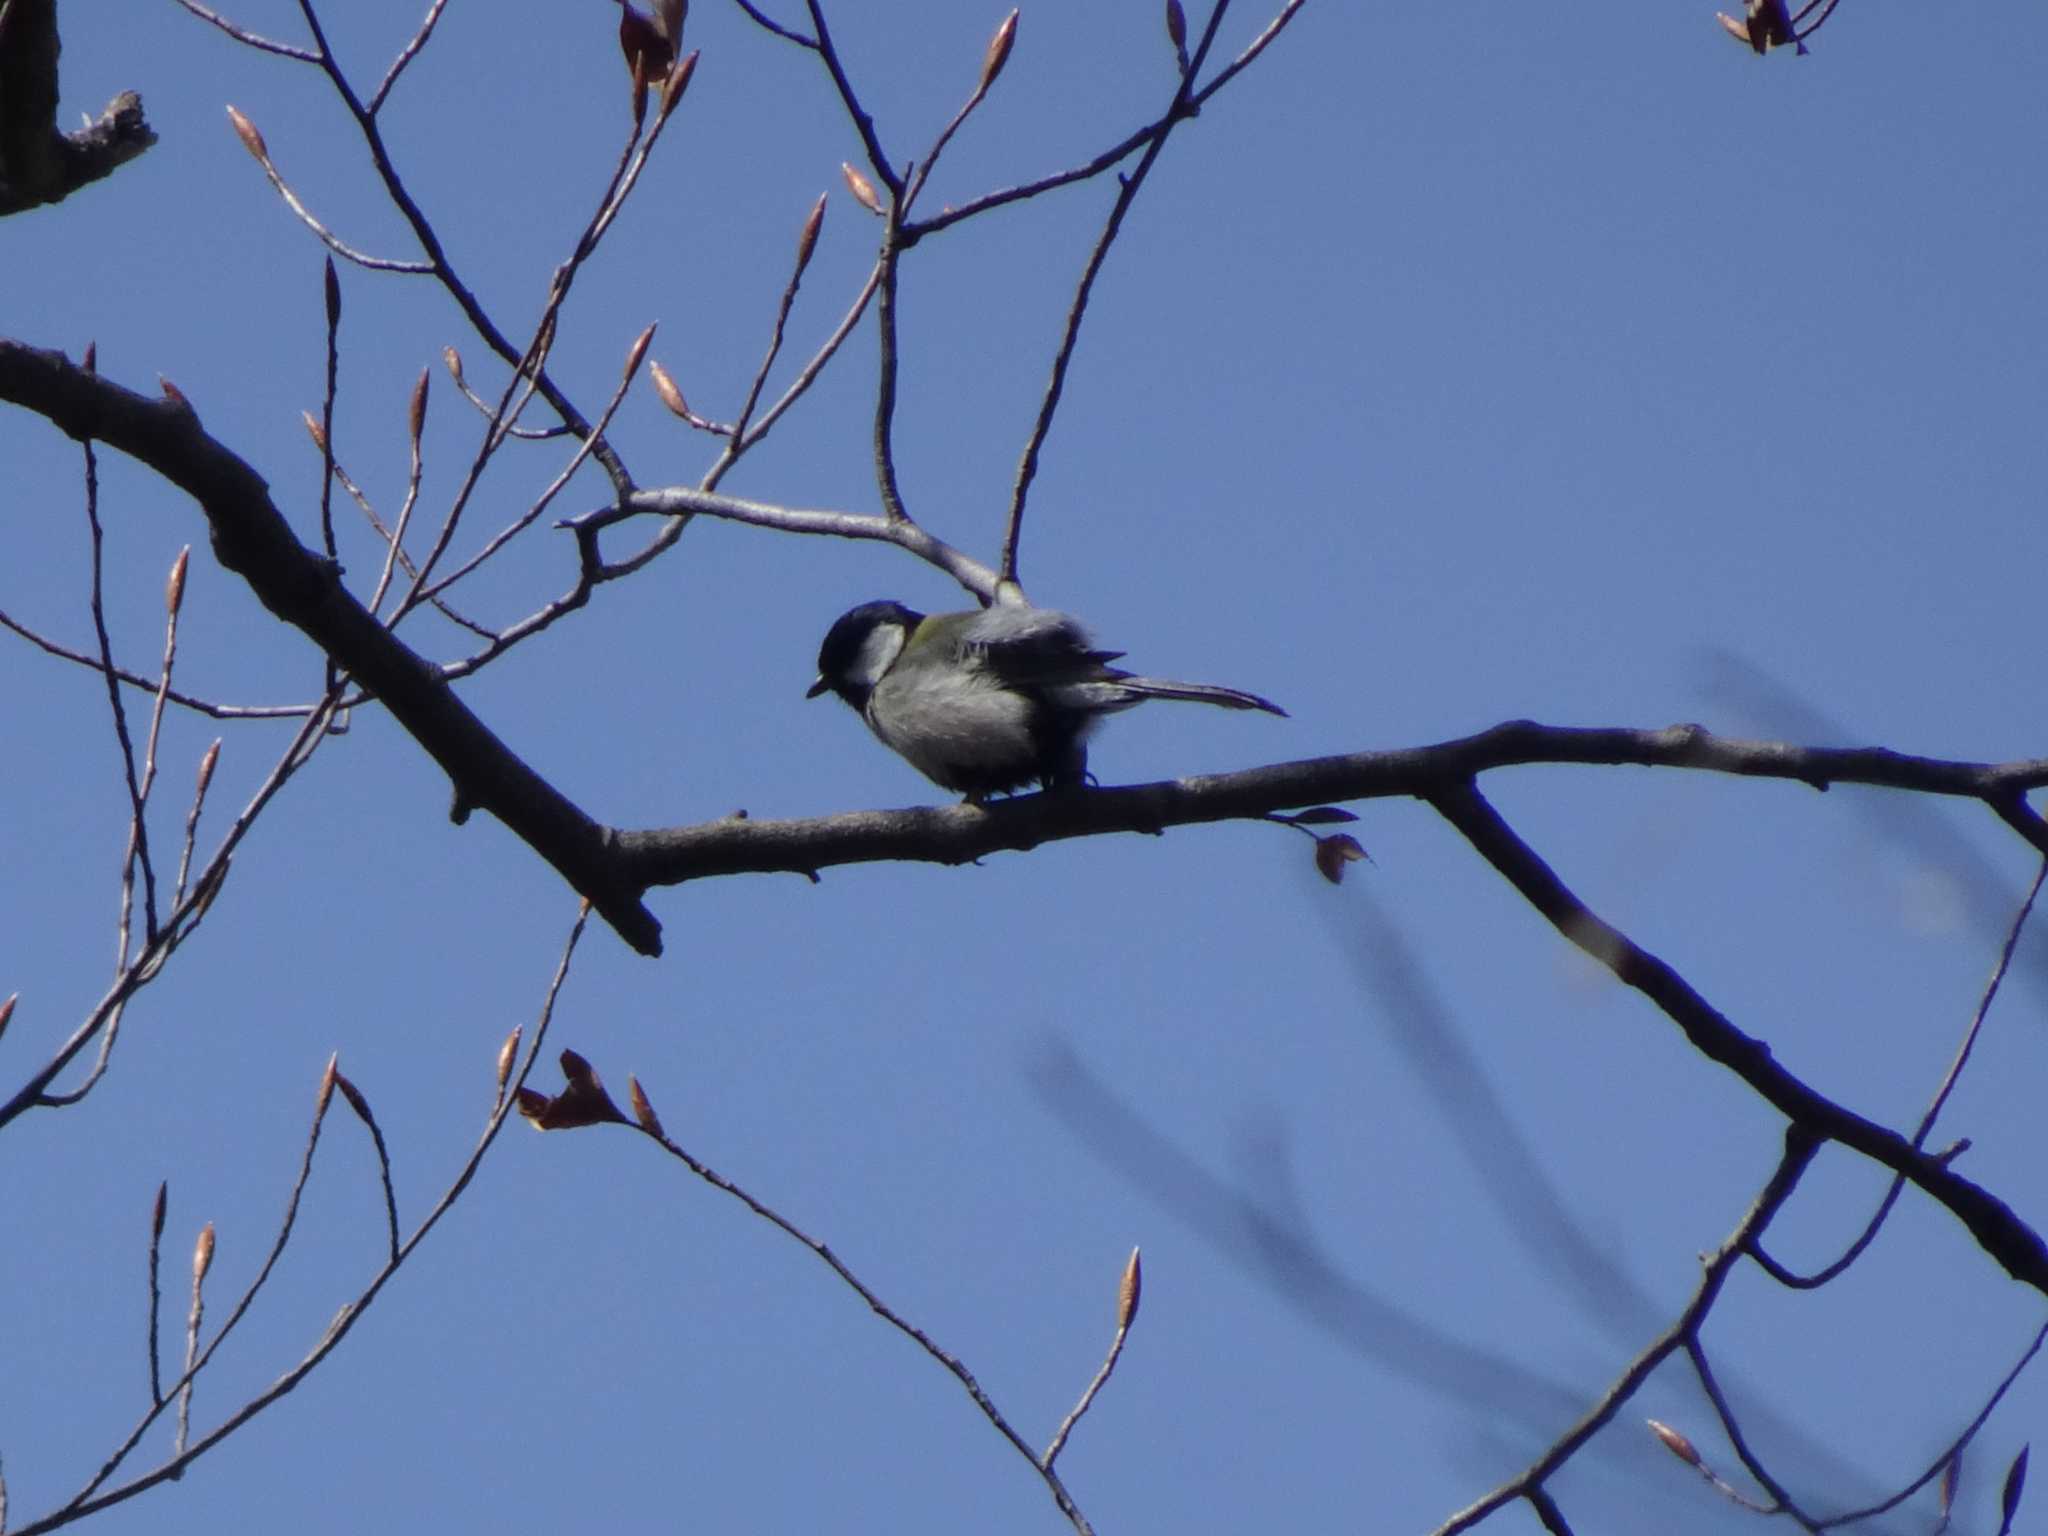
[(251, 538), (38, 164), (1998, 1231), (960, 834)]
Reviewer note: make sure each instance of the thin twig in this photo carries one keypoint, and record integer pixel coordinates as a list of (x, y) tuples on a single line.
[(149, 685), (863, 124), (554, 487), (250, 39), (1800, 1146), (406, 55), (1863, 1240), (85, 1503), (184, 917), (156, 1243), (437, 256), (888, 1314), (328, 237), (1126, 1314), (1955, 1447), (203, 781), (1027, 465), (776, 27), (138, 831)]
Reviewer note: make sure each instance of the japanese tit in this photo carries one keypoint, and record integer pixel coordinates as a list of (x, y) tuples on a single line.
[(990, 700)]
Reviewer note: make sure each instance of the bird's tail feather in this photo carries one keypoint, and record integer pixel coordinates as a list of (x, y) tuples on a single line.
[(1199, 693)]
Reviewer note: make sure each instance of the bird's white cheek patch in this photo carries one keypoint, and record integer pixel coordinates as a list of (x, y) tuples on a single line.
[(877, 652)]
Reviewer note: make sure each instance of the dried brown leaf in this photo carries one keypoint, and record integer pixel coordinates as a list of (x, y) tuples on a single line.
[(1334, 852)]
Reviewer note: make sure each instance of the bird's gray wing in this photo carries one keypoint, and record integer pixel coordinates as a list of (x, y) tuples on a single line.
[(1028, 647)]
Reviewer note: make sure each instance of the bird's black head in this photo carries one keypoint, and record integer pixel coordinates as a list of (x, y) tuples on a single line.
[(860, 646)]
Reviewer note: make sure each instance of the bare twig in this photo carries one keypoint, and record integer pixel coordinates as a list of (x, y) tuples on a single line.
[(650, 1127), (254, 143), (406, 55), (1863, 1240), (526, 519), (1109, 158), (1126, 1314), (1949, 1456), (1800, 1146), (764, 22), (863, 124), (248, 38), (1027, 465), (149, 685), (138, 831), (156, 1242), (207, 763), (361, 1106), (89, 1500)]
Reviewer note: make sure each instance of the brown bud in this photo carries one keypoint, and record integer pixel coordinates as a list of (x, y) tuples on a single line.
[(92, 357), (1128, 1290), (998, 53), (643, 1111), (678, 82), (206, 766), (862, 189), (416, 408), (172, 393), (639, 87), (1674, 1442), (314, 430), (453, 359), (174, 585), (326, 1094), (807, 242), (355, 1098), (665, 387), (333, 284), (1176, 25), (156, 1212), (251, 139), (507, 1054), (638, 350), (7, 1012), (202, 1255)]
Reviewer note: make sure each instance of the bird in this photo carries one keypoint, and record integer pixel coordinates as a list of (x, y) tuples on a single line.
[(988, 701)]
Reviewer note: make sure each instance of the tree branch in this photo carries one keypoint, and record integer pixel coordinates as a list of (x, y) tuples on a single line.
[(38, 164), (251, 538), (1997, 1230)]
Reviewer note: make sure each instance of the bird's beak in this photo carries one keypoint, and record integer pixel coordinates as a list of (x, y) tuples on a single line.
[(816, 688)]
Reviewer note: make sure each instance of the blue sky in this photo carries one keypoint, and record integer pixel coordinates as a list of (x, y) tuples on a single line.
[(1458, 364)]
